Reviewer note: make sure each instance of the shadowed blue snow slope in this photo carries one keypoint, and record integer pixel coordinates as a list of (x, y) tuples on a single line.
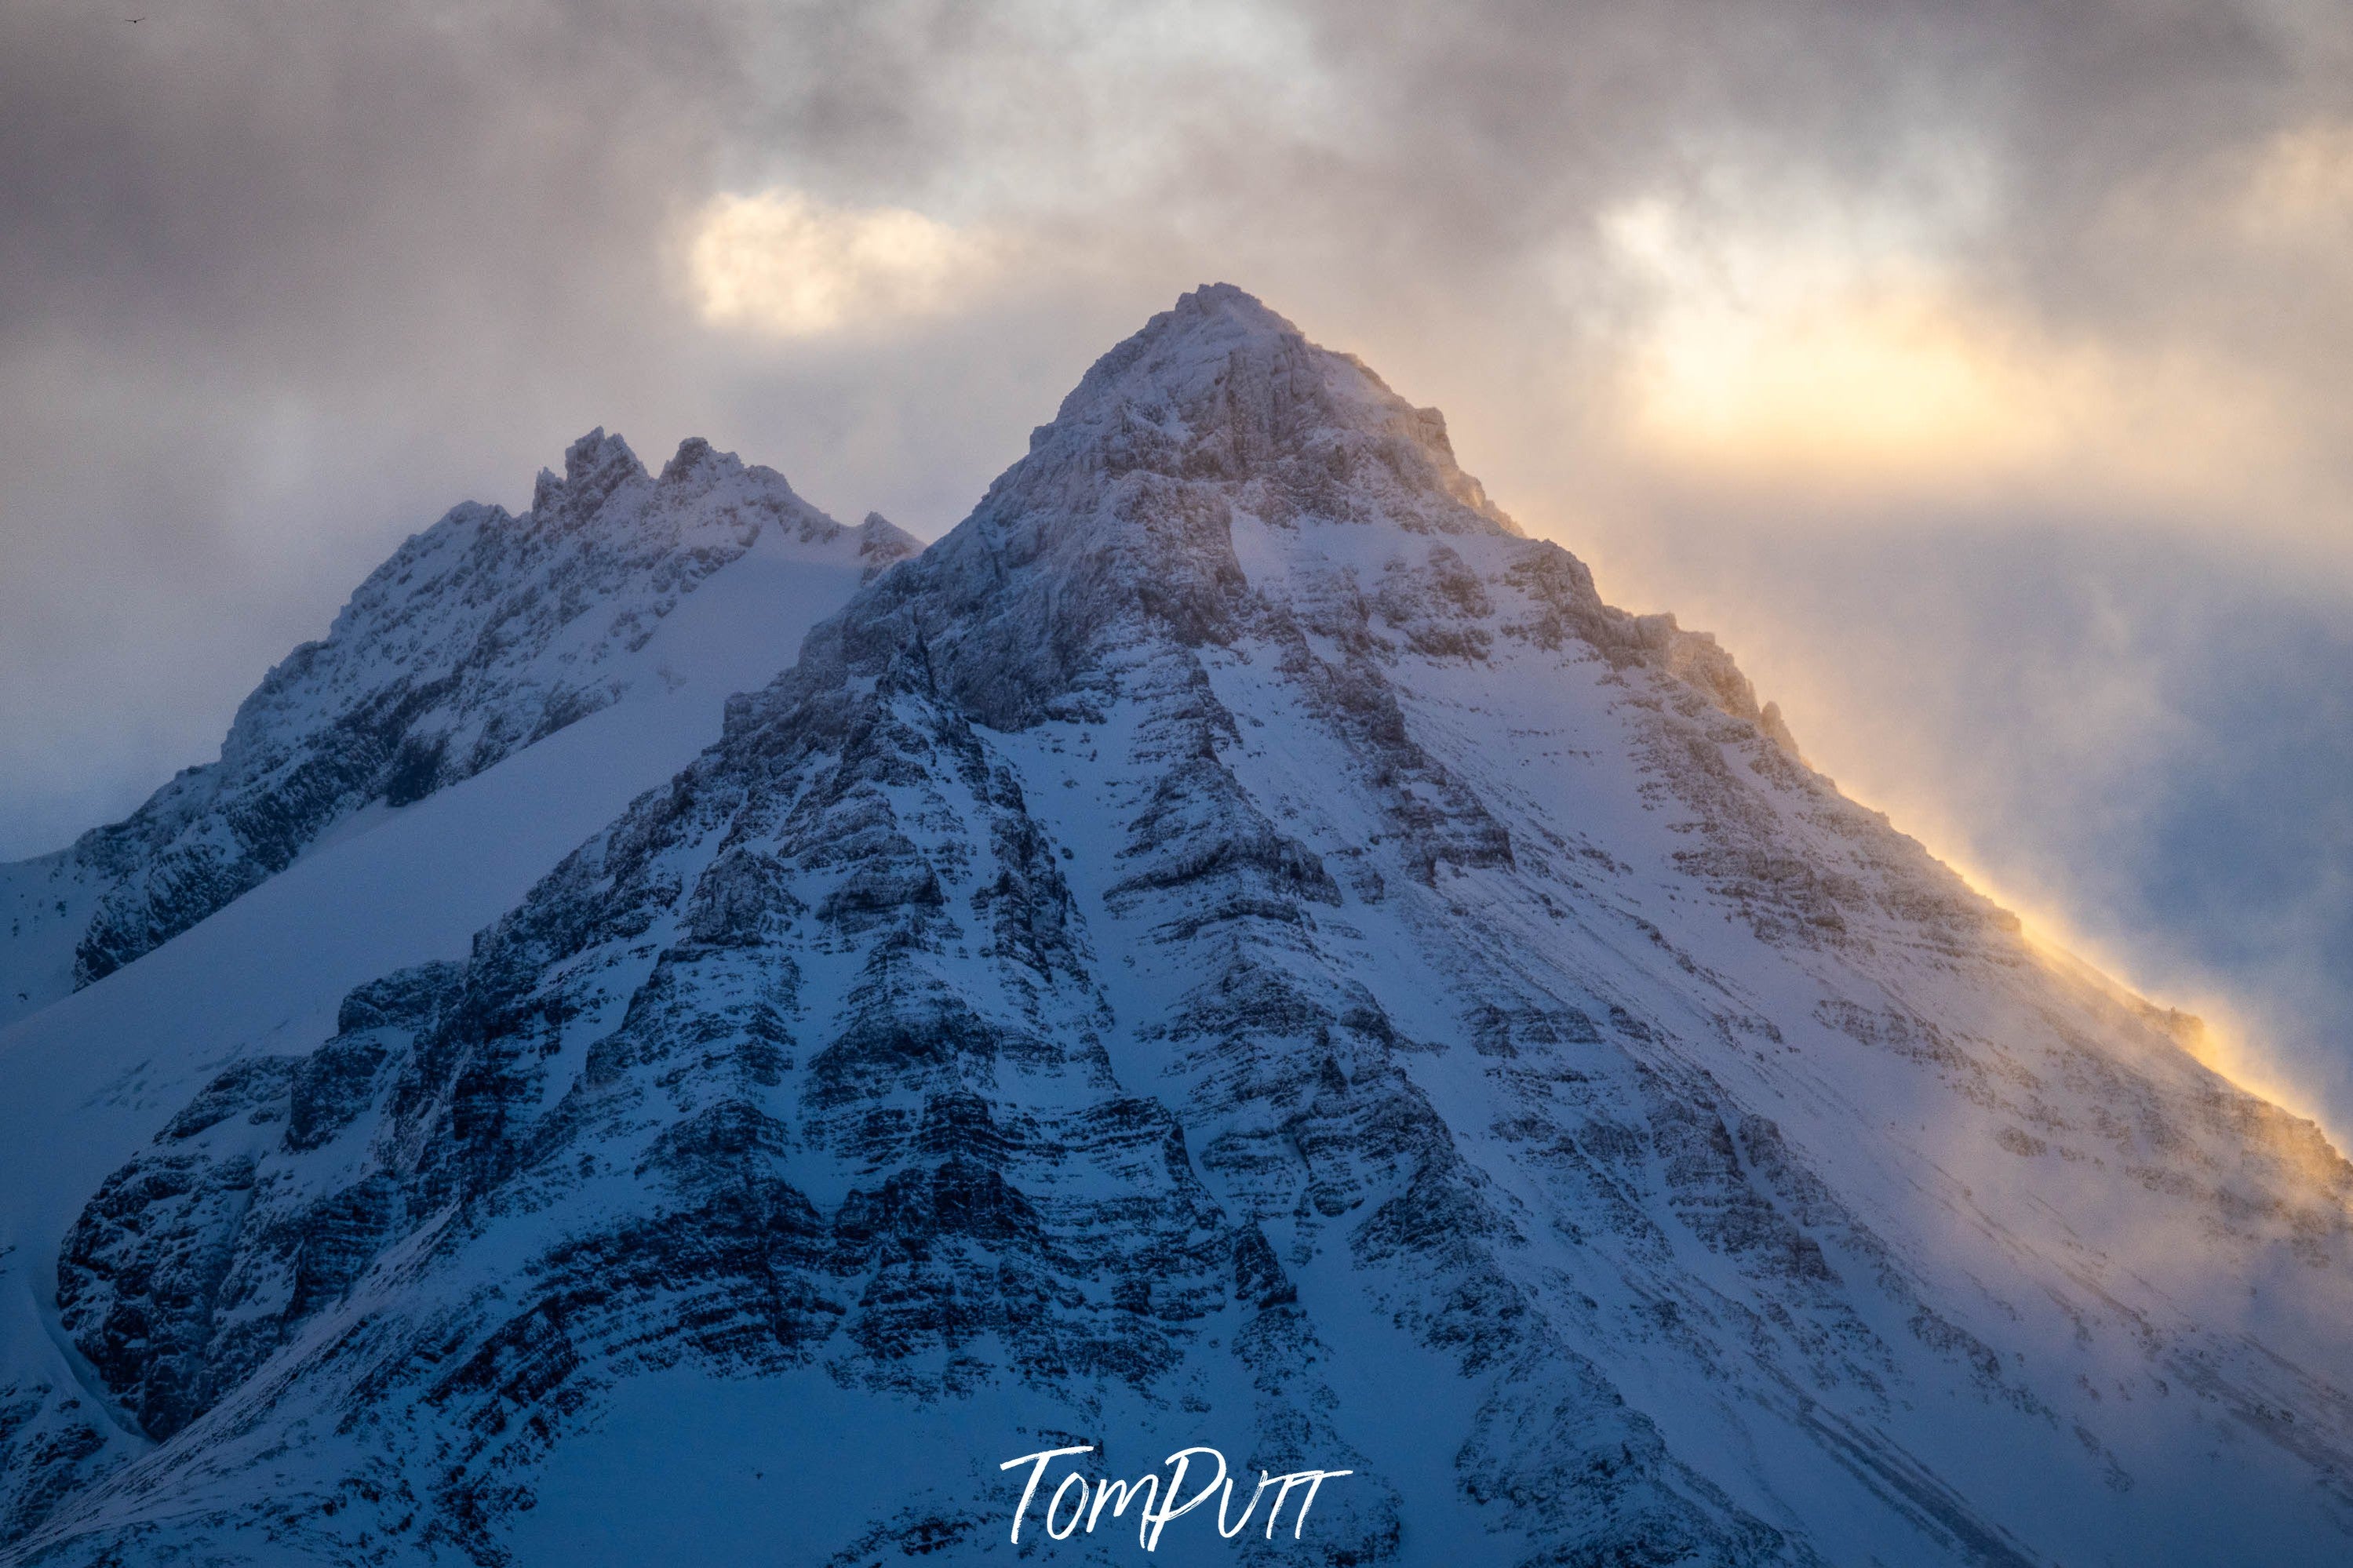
[(387, 888)]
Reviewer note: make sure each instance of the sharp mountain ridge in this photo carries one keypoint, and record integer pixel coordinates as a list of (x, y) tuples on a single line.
[(1234, 945), (480, 636)]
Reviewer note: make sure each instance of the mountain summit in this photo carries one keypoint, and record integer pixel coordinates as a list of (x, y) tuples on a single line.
[(480, 636), (1221, 387), (1233, 946)]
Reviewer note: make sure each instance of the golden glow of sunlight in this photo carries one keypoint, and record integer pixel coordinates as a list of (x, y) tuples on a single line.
[(2207, 1026), (1818, 357), (778, 263)]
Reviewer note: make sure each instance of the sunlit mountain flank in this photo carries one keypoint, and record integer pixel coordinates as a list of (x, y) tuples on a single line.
[(685, 1032)]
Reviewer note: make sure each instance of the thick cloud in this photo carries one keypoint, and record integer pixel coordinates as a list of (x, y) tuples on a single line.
[(1972, 367)]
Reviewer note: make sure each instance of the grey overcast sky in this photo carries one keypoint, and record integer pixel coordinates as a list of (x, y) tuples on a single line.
[(1975, 371)]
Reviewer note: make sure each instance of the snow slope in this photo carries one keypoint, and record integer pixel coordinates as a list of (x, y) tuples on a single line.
[(480, 636), (86, 1076), (1232, 945)]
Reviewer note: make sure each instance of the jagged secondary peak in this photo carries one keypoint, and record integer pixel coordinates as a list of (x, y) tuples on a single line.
[(479, 637), (594, 468)]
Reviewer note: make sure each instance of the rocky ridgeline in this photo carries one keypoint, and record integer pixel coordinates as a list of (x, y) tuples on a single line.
[(1237, 930), (480, 636)]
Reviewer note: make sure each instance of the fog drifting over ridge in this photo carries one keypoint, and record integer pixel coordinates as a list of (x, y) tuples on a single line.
[(1969, 372)]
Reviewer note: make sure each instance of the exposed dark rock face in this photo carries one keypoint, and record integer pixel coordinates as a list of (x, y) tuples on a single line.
[(1130, 971)]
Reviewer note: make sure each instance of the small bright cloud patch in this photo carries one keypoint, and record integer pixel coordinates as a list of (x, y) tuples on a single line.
[(780, 263)]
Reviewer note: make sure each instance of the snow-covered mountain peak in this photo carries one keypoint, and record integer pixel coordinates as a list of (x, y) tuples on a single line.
[(697, 463), (1183, 350), (1220, 388), (594, 468), (1217, 475), (1231, 945), (608, 492), (480, 636)]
